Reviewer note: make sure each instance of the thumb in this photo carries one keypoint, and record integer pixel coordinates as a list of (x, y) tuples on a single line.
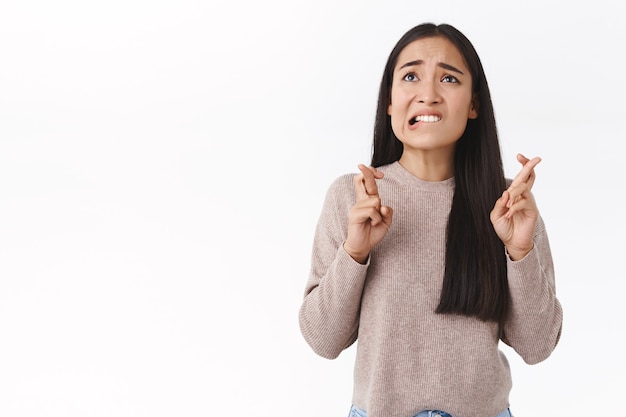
[(500, 208), (387, 214)]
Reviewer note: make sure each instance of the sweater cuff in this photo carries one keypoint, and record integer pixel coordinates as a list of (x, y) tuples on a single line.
[(525, 274), (348, 277)]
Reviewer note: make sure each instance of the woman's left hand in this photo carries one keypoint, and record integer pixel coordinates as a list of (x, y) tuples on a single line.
[(515, 214)]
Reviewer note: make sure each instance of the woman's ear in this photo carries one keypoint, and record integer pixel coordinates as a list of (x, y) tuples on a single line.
[(473, 113)]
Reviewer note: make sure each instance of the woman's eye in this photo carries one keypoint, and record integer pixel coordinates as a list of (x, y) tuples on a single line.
[(450, 79), (410, 77)]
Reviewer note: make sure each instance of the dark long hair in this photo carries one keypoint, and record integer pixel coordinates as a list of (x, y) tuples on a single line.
[(475, 279)]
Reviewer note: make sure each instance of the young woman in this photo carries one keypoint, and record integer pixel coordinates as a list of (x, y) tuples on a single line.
[(430, 257)]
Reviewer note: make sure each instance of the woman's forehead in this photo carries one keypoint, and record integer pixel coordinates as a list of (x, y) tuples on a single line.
[(433, 48)]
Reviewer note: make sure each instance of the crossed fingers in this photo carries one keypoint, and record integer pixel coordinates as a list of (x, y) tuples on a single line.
[(523, 182), (365, 182), (368, 202)]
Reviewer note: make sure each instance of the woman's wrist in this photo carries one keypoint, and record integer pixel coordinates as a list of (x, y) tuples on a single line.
[(517, 254), (358, 257)]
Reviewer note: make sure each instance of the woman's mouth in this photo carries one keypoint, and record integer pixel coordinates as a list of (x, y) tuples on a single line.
[(425, 118)]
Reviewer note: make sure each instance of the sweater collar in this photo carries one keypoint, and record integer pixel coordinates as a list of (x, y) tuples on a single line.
[(411, 180)]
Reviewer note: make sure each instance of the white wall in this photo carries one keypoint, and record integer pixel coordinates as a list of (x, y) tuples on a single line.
[(163, 164)]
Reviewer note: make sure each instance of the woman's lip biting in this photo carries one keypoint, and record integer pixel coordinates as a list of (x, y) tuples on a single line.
[(424, 118)]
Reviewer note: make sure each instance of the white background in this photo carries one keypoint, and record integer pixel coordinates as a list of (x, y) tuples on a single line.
[(163, 164)]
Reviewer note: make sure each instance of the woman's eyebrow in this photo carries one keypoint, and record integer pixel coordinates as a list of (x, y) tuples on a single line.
[(450, 67), (412, 63), (441, 64)]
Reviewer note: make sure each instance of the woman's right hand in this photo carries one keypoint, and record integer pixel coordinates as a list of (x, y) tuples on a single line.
[(369, 220)]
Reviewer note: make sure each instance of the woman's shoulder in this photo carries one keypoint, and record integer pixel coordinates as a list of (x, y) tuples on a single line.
[(342, 182), (345, 181)]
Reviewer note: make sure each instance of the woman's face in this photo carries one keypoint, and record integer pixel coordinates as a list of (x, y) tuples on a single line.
[(431, 96)]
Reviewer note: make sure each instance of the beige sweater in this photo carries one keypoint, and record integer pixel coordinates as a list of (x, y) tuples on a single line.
[(408, 358)]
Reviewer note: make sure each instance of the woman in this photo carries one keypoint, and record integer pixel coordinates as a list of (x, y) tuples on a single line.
[(430, 257)]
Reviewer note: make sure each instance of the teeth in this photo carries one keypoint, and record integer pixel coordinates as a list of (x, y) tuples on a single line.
[(427, 119)]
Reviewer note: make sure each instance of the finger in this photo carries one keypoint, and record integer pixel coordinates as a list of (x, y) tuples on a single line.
[(372, 201), (500, 207), (367, 214), (377, 174), (528, 165), (387, 213), (522, 159), (359, 188), (531, 177), (518, 193), (524, 180), (366, 205), (519, 207), (526, 203), (370, 174), (530, 181)]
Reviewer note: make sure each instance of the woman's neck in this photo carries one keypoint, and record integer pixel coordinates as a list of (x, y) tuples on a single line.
[(428, 166)]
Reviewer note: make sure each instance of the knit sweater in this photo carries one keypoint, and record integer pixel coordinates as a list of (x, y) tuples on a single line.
[(408, 358)]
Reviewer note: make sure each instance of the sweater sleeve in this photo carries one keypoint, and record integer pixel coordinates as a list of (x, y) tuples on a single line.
[(534, 325), (329, 314)]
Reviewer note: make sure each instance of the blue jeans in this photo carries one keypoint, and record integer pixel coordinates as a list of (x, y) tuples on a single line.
[(357, 412)]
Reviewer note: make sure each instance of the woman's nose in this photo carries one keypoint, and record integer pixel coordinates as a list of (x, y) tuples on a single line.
[(428, 93)]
